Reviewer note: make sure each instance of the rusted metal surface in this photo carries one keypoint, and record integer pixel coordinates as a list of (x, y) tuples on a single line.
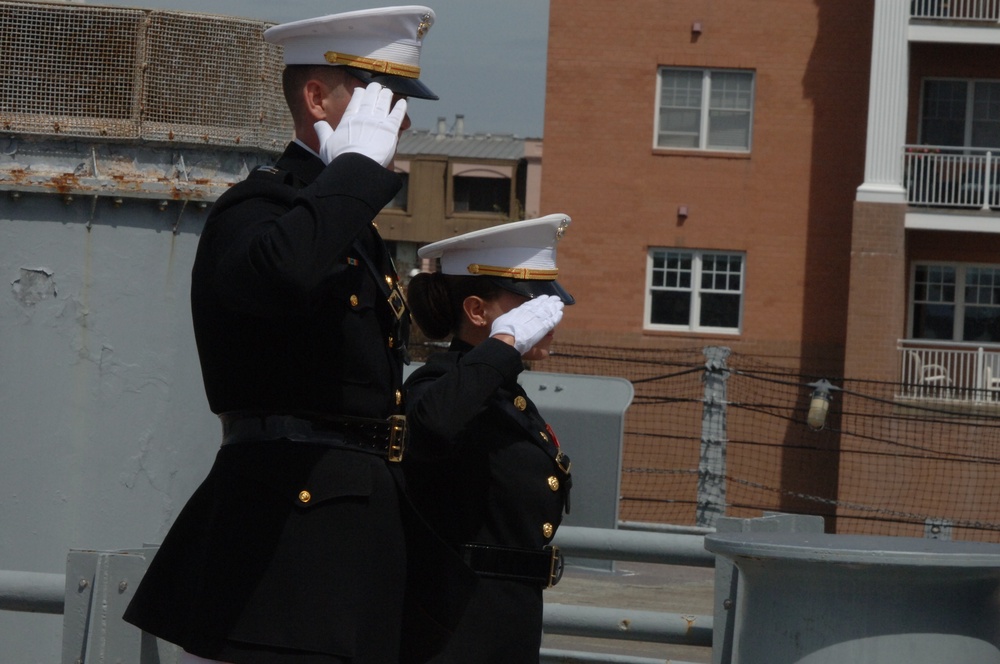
[(71, 168), (172, 77)]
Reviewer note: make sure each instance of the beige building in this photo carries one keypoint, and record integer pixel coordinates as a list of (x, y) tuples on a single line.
[(456, 183)]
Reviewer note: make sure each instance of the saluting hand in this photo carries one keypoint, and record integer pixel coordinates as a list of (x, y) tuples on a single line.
[(370, 126), (529, 322)]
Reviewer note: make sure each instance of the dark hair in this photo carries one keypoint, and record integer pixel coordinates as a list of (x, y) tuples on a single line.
[(436, 299), (294, 77)]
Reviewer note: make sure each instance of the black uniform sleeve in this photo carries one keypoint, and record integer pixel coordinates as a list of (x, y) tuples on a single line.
[(277, 247), (441, 400)]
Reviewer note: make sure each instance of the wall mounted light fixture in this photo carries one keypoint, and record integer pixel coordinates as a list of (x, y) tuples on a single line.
[(819, 403)]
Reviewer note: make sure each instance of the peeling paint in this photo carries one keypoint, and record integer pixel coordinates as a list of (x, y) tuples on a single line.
[(34, 285)]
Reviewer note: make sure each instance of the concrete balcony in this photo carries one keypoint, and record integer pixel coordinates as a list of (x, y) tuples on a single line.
[(952, 189), (955, 21)]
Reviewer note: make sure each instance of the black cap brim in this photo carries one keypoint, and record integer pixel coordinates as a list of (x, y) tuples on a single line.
[(408, 87), (534, 287)]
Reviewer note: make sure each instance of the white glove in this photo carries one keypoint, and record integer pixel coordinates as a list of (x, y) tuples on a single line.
[(367, 127), (530, 322)]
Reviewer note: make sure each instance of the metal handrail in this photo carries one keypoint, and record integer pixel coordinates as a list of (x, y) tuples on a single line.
[(45, 593), (32, 592), (950, 176)]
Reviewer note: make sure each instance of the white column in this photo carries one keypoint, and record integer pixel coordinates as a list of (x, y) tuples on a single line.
[(887, 102)]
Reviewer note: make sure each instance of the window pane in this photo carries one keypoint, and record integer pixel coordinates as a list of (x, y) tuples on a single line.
[(680, 108), (943, 121), (681, 88), (721, 272), (718, 310), (933, 321), (934, 283), (676, 273), (731, 91), (982, 286), (679, 129), (670, 308), (729, 110), (482, 194), (986, 115), (728, 130), (981, 324)]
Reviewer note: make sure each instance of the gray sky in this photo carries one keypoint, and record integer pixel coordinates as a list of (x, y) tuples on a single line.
[(484, 59)]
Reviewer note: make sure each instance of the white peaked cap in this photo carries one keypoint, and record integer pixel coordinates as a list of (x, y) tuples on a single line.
[(383, 42), (520, 254)]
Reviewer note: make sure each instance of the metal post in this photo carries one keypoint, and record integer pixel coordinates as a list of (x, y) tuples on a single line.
[(99, 585), (712, 464)]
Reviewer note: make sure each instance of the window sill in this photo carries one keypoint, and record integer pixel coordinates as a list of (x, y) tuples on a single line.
[(691, 334), (498, 216), (708, 154)]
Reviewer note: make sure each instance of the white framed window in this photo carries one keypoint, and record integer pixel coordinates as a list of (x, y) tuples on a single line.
[(955, 302), (960, 112), (704, 109), (694, 290)]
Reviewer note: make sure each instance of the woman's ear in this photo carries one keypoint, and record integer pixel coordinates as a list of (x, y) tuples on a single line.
[(474, 308)]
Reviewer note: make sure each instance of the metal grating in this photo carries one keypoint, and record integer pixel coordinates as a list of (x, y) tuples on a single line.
[(175, 77)]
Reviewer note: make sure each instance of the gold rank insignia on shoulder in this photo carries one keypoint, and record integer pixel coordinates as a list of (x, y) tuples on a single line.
[(396, 302)]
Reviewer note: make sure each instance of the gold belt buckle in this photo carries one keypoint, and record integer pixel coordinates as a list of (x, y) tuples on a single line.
[(397, 437), (555, 566)]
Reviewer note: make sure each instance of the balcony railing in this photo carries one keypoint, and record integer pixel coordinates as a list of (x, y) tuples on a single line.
[(941, 176), (944, 371), (956, 10)]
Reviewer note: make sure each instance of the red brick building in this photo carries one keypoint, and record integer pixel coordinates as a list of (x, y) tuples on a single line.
[(814, 184), (737, 175)]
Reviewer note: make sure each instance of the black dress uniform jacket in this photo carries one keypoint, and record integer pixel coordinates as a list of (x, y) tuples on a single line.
[(291, 316), (483, 469)]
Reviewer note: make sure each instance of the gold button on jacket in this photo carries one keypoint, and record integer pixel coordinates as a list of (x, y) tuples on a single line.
[(547, 530)]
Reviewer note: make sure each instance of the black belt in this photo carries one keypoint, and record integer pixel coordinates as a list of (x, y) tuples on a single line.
[(544, 566), (385, 438)]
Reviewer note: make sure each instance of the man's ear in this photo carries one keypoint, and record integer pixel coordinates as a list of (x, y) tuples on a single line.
[(313, 93), (475, 311)]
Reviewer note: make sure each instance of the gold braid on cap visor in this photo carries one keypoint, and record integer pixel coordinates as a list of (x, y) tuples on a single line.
[(513, 272), (371, 64)]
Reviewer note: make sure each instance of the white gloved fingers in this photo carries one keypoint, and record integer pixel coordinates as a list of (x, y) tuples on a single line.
[(529, 322), (367, 127), (369, 98), (398, 113), (354, 106), (383, 103)]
